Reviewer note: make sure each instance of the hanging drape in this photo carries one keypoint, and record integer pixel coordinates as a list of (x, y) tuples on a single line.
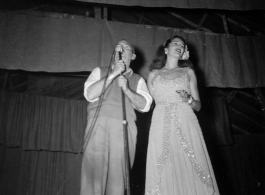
[(70, 45), (41, 140), (189, 4), (42, 123), (35, 172), (214, 119), (242, 166), (40, 144)]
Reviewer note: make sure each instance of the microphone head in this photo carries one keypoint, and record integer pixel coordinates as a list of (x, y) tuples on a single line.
[(119, 48)]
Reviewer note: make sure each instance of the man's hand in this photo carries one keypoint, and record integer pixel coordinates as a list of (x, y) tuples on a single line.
[(123, 83), (119, 67)]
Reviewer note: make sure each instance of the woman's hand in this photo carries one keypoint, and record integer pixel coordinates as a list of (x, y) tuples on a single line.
[(184, 95)]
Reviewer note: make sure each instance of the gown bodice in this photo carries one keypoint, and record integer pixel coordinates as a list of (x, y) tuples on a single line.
[(164, 89)]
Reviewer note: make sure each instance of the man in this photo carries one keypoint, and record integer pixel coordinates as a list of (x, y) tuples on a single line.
[(103, 163)]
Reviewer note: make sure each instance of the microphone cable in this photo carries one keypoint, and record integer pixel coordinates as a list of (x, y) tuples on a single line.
[(91, 128), (87, 137)]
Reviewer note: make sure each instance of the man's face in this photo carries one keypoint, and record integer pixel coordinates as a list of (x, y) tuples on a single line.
[(127, 52)]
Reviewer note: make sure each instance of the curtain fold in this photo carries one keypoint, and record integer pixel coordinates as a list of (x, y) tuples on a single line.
[(214, 118), (42, 123), (220, 122), (71, 45)]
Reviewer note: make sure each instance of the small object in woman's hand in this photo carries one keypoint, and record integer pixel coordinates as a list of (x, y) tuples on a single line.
[(190, 100), (183, 92)]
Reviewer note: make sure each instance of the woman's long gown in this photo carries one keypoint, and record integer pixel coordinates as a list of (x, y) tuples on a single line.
[(177, 159)]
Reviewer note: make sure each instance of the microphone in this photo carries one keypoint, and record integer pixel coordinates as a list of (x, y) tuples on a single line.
[(119, 49), (120, 55)]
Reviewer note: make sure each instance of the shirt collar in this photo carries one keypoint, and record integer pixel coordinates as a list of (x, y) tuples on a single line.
[(128, 73)]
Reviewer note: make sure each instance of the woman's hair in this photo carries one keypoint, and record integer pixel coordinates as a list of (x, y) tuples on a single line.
[(161, 58)]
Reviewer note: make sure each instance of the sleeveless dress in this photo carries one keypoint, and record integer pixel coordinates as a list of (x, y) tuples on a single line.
[(177, 159)]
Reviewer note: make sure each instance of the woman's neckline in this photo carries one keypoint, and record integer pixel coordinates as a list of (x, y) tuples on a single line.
[(180, 75), (176, 68)]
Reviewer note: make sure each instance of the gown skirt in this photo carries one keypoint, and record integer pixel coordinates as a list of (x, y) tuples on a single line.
[(177, 159)]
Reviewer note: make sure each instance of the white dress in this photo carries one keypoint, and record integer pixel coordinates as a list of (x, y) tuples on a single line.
[(177, 159)]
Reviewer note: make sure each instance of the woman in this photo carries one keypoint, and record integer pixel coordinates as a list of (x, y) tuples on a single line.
[(177, 159)]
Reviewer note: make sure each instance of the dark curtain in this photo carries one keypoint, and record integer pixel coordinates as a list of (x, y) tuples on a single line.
[(241, 166), (189, 4), (38, 172), (41, 123), (41, 142), (221, 126), (219, 122)]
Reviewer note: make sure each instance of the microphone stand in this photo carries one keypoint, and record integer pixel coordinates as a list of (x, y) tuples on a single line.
[(126, 146), (126, 142)]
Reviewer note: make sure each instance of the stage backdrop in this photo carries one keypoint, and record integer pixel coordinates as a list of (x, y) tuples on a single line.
[(54, 44)]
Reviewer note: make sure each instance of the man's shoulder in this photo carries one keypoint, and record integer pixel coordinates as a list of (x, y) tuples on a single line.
[(103, 70), (137, 76)]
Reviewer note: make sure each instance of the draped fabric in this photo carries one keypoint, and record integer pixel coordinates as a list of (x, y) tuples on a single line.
[(41, 139), (189, 4), (42, 123), (242, 166), (38, 172), (215, 114), (77, 44)]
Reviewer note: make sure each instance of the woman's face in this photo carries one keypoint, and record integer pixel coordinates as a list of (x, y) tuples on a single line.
[(175, 48)]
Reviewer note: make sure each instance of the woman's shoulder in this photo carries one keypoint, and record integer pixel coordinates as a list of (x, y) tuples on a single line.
[(190, 72), (153, 73)]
